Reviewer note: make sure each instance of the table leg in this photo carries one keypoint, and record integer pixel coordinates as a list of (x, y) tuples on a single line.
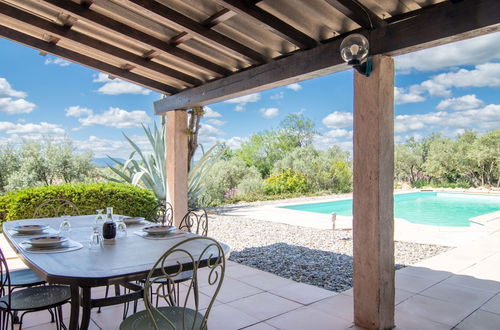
[(86, 308), (75, 307)]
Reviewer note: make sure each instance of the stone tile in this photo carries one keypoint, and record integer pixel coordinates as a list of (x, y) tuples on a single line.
[(264, 305), (308, 318), (231, 290), (474, 283), (302, 293), (480, 320), (266, 281), (426, 272), (203, 302), (109, 318), (493, 305), (340, 306), (413, 283), (473, 298), (410, 321), (225, 317), (400, 295), (239, 271), (261, 326), (435, 310)]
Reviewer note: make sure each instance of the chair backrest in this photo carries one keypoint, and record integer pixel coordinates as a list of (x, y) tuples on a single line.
[(171, 264), (195, 221), (55, 207), (4, 281), (162, 213)]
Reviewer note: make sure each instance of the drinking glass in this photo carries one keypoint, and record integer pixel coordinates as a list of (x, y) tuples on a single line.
[(99, 218), (65, 227), (96, 238), (121, 227)]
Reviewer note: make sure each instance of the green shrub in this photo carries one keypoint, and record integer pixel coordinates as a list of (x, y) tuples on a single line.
[(460, 184), (287, 181), (251, 185), (420, 183), (124, 198)]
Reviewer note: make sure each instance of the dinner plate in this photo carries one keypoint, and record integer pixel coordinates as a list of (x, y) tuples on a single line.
[(158, 229), (30, 229), (132, 220), (47, 241)]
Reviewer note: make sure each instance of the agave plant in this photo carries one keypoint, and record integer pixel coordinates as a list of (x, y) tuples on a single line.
[(149, 168)]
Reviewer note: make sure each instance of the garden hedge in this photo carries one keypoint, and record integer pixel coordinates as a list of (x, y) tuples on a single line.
[(124, 198)]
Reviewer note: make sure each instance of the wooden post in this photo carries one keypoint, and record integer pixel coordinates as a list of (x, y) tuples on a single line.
[(177, 164), (373, 223)]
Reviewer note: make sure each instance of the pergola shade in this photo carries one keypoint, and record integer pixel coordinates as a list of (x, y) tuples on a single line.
[(202, 51)]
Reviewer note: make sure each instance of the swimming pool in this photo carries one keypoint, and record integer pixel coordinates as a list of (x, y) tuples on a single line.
[(428, 208)]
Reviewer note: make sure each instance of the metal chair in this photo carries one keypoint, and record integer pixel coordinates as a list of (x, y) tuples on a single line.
[(195, 221), (55, 207), (162, 213), (29, 300), (180, 317)]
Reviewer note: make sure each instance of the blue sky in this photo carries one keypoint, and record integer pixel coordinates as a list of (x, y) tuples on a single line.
[(445, 89)]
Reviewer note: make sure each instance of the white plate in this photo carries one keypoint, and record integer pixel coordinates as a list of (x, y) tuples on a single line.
[(47, 241), (30, 229), (132, 220), (158, 229)]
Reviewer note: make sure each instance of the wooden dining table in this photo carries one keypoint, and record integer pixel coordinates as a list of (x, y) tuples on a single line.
[(126, 260)]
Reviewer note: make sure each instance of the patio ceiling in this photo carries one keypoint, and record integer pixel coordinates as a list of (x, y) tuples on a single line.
[(203, 51)]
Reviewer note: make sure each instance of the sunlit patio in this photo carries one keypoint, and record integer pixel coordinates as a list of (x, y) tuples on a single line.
[(459, 289)]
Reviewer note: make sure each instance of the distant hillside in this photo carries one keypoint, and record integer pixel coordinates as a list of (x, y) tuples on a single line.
[(102, 162)]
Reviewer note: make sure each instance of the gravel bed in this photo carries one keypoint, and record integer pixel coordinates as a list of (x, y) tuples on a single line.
[(318, 257)]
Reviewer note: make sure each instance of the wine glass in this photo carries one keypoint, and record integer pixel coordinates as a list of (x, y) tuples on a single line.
[(99, 218), (65, 227), (95, 238), (121, 227)]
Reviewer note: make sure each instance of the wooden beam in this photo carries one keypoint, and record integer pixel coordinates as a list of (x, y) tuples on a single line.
[(88, 61), (373, 179), (261, 17), (177, 163), (440, 24), (198, 30), (103, 21), (108, 49), (358, 13)]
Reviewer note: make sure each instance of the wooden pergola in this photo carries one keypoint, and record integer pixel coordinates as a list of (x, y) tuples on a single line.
[(198, 52)]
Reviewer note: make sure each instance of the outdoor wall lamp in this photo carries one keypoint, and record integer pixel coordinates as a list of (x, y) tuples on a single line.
[(354, 50)]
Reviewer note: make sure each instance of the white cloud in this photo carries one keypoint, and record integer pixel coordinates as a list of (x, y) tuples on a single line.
[(101, 147), (338, 119), (11, 107), (483, 119), (216, 122), (6, 90), (209, 130), (210, 113), (339, 133), (269, 112), (117, 86), (294, 87), (30, 128), (277, 96), (467, 52), (235, 142), (77, 111), (402, 96), (116, 117), (243, 100), (465, 102), (57, 61)]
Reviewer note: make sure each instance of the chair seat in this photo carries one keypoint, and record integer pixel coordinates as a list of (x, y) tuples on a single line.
[(37, 297), (181, 318), (183, 276), (24, 278)]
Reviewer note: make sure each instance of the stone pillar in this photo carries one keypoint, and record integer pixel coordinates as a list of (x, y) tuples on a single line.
[(373, 223), (177, 162)]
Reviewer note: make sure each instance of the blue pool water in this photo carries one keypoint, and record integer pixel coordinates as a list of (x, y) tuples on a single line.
[(428, 208)]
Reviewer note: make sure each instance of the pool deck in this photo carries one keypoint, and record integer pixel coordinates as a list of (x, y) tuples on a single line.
[(404, 230), (459, 289)]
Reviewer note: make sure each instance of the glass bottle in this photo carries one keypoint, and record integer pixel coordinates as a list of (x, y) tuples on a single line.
[(109, 227)]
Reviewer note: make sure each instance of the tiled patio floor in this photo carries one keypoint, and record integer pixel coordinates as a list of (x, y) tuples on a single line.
[(459, 289)]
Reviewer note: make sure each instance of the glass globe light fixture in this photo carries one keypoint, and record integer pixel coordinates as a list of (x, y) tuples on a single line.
[(354, 50)]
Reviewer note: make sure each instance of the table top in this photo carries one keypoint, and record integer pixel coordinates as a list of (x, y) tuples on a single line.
[(128, 258)]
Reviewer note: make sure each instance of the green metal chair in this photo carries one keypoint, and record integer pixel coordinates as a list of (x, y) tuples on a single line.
[(167, 268), (162, 213), (28, 300)]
